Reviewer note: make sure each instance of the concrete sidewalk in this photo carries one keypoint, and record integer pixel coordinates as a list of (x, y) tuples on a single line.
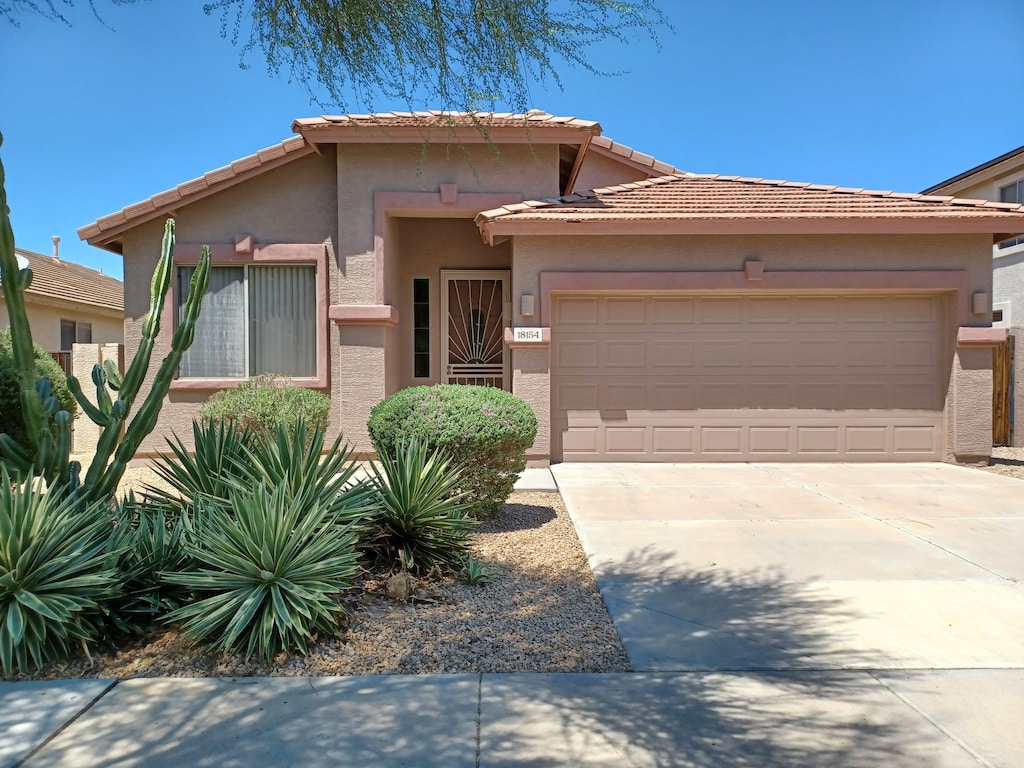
[(705, 720)]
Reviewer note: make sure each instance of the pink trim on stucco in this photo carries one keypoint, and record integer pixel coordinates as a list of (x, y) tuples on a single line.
[(281, 253), (980, 337), (954, 281), (363, 314), (424, 205), (545, 339)]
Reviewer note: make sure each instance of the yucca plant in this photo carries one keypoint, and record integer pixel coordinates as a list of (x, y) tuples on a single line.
[(227, 461), (56, 569), (270, 570), (149, 544), (421, 525)]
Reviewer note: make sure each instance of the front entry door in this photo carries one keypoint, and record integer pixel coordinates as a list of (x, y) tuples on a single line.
[(474, 304)]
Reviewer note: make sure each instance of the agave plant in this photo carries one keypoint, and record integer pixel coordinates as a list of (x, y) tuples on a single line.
[(270, 570), (422, 523), (56, 569), (149, 544)]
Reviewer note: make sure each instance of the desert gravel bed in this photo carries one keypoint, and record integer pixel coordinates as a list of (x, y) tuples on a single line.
[(1007, 461), (541, 613)]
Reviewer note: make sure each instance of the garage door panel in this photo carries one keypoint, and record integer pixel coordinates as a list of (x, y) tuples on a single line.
[(672, 311), (772, 377)]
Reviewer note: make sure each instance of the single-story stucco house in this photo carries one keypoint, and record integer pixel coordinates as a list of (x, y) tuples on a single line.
[(645, 313), (68, 304)]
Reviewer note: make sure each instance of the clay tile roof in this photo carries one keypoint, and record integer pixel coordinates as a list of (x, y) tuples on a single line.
[(534, 118), (682, 197), (160, 203), (59, 279), (606, 146)]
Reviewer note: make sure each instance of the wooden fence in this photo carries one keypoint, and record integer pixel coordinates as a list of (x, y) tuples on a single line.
[(1002, 393)]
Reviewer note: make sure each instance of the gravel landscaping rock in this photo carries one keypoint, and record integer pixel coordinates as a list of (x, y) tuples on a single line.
[(541, 612), (1006, 461)]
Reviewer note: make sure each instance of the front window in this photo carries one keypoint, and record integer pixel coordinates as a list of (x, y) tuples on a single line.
[(255, 319), (1012, 193)]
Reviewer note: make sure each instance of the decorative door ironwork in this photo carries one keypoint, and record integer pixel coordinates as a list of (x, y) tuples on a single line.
[(474, 306)]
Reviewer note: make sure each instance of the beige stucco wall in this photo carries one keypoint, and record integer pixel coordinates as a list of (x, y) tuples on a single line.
[(362, 170), (967, 400), (295, 203), (600, 171), (44, 316)]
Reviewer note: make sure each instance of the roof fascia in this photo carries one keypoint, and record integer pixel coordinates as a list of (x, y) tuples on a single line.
[(508, 226), (581, 153), (106, 230)]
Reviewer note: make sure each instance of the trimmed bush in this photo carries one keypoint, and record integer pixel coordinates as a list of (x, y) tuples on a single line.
[(485, 432), (263, 403), (11, 422)]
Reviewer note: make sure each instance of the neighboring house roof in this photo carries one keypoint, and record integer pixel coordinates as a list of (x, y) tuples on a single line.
[(979, 173), (391, 126), (712, 204), (57, 279)]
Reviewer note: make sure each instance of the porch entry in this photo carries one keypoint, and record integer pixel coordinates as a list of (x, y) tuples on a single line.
[(475, 305)]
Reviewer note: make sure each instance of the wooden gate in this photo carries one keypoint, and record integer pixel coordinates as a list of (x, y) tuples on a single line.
[(1002, 393)]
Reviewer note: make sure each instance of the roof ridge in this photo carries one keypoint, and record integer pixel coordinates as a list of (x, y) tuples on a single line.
[(533, 116), (859, 191)]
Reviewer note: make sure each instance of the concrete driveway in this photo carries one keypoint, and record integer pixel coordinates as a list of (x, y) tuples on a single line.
[(893, 588)]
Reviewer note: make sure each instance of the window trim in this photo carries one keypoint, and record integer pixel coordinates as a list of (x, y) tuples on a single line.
[(244, 252), (77, 327)]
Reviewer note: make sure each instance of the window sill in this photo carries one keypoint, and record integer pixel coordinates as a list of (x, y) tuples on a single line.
[(213, 385)]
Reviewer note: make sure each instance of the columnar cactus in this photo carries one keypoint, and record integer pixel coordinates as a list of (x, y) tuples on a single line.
[(48, 456)]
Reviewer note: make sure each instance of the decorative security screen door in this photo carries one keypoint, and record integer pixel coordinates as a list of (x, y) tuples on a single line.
[(474, 303)]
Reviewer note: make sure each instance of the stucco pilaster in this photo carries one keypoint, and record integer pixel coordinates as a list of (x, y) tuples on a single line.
[(972, 404), (361, 384), (531, 382)]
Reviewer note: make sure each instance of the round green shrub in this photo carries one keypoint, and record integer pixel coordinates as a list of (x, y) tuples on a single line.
[(485, 431), (11, 421), (264, 402)]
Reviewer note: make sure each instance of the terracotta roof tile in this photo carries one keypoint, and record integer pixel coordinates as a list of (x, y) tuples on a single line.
[(683, 196), (443, 118), (58, 279), (639, 159)]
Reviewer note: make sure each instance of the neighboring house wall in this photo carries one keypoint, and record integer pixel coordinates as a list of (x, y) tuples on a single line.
[(1008, 287), (44, 319)]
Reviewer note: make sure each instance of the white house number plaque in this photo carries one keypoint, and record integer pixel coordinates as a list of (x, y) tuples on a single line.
[(527, 335)]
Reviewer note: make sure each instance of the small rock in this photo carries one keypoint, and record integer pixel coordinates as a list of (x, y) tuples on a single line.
[(400, 586)]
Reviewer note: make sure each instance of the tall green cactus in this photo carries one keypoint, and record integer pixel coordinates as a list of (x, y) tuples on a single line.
[(48, 454)]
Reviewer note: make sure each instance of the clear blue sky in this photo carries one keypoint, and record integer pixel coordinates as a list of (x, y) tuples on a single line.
[(883, 94)]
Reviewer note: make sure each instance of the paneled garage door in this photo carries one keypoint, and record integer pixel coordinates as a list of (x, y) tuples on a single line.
[(744, 377)]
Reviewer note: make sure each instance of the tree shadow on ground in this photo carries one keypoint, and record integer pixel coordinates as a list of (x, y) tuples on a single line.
[(743, 669)]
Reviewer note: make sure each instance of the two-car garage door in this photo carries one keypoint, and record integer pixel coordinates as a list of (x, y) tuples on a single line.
[(747, 377)]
